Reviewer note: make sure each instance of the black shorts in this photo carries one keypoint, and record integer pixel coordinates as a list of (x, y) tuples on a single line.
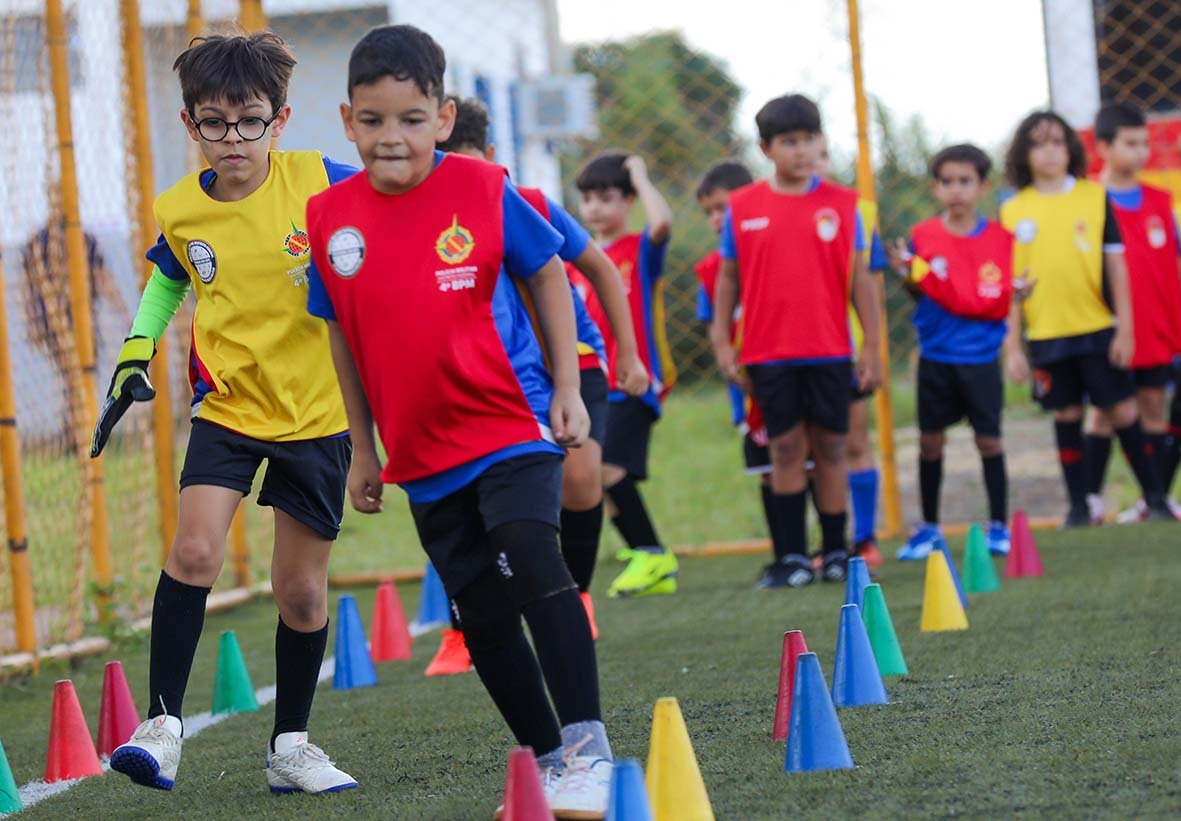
[(1076, 379), (1158, 376), (304, 479), (592, 384), (947, 393), (790, 394), (454, 530), (629, 432), (756, 457)]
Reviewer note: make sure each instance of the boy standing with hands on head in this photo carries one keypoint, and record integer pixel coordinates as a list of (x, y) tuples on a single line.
[(792, 244)]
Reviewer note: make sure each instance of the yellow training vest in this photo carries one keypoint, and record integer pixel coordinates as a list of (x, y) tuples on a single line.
[(1059, 242), (869, 224), (262, 358)]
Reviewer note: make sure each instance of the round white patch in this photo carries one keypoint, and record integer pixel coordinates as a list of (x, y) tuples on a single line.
[(828, 224), (939, 267), (346, 251), (1026, 231), (202, 259)]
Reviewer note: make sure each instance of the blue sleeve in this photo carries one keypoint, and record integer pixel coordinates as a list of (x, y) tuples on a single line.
[(878, 260), (529, 240), (705, 306), (338, 171), (727, 247), (859, 236), (651, 257), (318, 302), (576, 237), (166, 261)]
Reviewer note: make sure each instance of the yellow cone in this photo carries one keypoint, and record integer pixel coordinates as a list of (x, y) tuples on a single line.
[(674, 781), (942, 609)]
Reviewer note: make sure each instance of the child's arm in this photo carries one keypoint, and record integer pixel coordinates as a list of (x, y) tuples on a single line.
[(901, 257), (1016, 364), (1123, 344), (364, 482), (550, 289), (656, 210), (865, 302), (720, 330), (604, 277)]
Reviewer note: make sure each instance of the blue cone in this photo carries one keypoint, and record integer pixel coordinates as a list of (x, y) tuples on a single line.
[(856, 580), (856, 680), (955, 574), (628, 799), (434, 607), (354, 668), (815, 740)]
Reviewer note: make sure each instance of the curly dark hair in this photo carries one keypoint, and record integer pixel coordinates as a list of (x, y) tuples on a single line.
[(1017, 159)]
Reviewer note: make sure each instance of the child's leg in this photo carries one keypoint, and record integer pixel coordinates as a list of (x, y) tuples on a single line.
[(930, 473), (789, 484), (582, 511), (1173, 445), (625, 463), (831, 480), (983, 390), (996, 481), (1068, 432), (863, 474), (1150, 402), (1097, 450), (1135, 446)]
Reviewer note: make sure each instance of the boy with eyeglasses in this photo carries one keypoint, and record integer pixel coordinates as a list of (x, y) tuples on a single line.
[(263, 388)]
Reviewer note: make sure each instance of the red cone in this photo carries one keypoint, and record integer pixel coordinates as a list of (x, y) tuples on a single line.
[(117, 716), (71, 750), (390, 639), (524, 798), (1023, 559), (793, 645)]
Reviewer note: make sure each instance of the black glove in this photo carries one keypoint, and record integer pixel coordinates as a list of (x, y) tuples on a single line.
[(128, 384)]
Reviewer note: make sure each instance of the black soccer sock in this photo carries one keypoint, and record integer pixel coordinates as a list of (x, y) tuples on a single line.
[(1172, 457), (1069, 436), (790, 515), (298, 657), (996, 483), (566, 651), (1097, 453), (1142, 462), (631, 518), (580, 542), (930, 484), (178, 614), (774, 527), (832, 531), (1158, 449)]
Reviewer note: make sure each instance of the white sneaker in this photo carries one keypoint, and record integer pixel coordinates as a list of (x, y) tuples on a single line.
[(582, 788), (303, 767), (1174, 506), (1096, 508), (152, 754), (1136, 513)]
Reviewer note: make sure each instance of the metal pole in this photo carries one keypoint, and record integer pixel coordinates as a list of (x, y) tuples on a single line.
[(865, 187), (251, 16), (92, 469)]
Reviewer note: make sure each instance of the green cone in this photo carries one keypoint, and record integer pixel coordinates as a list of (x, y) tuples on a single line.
[(882, 638), (10, 800), (979, 573), (232, 690)]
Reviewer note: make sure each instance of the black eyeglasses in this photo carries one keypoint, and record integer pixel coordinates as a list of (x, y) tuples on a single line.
[(215, 129)]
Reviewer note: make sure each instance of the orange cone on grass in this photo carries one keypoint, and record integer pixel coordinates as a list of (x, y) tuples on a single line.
[(71, 750), (452, 657), (390, 640), (117, 716), (1023, 559)]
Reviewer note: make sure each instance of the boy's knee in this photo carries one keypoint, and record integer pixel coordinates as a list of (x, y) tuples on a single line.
[(303, 603), (1071, 413), (582, 486), (1123, 413), (930, 446), (789, 448), (194, 559), (989, 446), (529, 560), (829, 448)]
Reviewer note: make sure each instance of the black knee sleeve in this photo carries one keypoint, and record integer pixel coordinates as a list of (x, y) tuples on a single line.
[(529, 561), (487, 614)]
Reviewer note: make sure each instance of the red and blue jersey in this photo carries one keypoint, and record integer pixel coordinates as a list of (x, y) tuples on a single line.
[(967, 288), (423, 287), (1149, 231), (591, 351), (641, 267), (795, 256)]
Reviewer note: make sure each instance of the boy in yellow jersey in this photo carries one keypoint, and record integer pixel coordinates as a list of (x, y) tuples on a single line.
[(263, 388), (1069, 250)]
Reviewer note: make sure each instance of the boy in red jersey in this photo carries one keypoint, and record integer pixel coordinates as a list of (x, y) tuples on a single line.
[(1149, 231), (432, 338), (609, 185), (794, 243), (959, 267)]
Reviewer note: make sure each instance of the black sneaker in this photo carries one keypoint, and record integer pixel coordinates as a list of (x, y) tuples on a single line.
[(790, 571), (1159, 511), (836, 566), (1076, 517)]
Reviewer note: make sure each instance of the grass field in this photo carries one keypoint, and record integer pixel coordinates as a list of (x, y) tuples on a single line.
[(1059, 701)]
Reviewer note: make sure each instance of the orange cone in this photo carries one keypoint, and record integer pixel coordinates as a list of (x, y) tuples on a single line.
[(589, 606), (390, 640), (71, 750), (524, 797), (452, 657), (117, 716)]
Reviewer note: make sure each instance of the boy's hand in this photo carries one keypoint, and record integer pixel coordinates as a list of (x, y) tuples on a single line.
[(129, 384), (728, 363), (364, 483), (636, 167), (1023, 287), (1016, 365), (900, 256), (631, 375), (869, 369), (1123, 345), (568, 418)]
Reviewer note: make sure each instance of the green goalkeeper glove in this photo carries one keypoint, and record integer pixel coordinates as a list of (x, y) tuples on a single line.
[(128, 384)]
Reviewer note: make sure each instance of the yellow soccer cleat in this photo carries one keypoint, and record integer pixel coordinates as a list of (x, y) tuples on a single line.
[(647, 574)]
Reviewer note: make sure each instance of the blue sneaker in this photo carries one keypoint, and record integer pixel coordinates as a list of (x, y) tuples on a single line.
[(926, 537), (998, 539)]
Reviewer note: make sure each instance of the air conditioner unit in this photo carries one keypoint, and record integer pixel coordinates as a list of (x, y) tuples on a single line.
[(558, 107)]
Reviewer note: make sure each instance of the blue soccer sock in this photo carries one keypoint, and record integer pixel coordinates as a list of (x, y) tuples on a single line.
[(863, 487)]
